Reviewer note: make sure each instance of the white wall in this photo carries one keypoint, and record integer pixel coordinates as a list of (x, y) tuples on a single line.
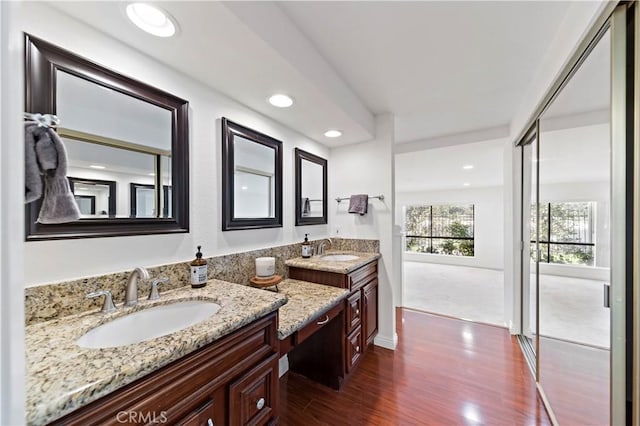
[(68, 259), (488, 224), (12, 365), (367, 168)]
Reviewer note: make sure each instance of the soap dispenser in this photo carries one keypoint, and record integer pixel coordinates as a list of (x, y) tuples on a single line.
[(307, 248), (198, 271)]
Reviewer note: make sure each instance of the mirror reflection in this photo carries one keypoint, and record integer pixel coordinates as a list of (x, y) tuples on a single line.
[(251, 178), (95, 198), (311, 188), (143, 202), (114, 137), (254, 172), (311, 196)]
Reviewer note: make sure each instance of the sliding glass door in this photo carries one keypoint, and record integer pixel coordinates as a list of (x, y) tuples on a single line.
[(574, 243), (573, 233)]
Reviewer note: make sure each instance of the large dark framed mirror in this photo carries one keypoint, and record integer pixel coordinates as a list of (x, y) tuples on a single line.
[(114, 128), (251, 178), (311, 188)]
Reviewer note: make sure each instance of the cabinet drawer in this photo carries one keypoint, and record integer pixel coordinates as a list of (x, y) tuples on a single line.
[(202, 416), (361, 276), (354, 348), (253, 398), (354, 311), (319, 322)]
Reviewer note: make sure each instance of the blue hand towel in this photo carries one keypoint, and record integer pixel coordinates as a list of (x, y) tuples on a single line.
[(358, 204)]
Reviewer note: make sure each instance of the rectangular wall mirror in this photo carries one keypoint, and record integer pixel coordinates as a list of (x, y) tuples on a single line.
[(311, 188), (251, 178), (117, 132)]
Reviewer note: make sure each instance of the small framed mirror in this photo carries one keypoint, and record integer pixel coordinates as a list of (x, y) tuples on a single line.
[(95, 197), (251, 178), (115, 130), (311, 188), (143, 200)]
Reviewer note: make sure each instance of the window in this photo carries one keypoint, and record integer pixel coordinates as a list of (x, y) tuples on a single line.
[(443, 229), (566, 233)]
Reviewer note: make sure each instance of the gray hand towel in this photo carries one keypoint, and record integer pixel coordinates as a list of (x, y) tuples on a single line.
[(306, 206), (358, 204), (32, 175), (45, 155)]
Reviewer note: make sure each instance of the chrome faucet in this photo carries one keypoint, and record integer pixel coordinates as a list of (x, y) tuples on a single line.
[(131, 297), (107, 306), (323, 244)]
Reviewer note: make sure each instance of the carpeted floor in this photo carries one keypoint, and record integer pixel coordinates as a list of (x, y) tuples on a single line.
[(571, 308)]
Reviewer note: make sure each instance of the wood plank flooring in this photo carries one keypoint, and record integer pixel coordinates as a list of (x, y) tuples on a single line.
[(444, 372), (575, 378)]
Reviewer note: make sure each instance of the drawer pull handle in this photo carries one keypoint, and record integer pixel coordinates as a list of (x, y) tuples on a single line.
[(324, 321), (210, 422), (357, 311), (260, 404), (357, 348)]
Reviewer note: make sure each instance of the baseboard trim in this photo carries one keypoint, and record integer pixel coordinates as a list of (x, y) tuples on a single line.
[(386, 342), (283, 365)]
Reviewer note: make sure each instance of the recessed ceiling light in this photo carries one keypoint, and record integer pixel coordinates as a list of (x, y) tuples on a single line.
[(333, 133), (151, 19), (281, 101), (468, 166), (244, 188), (466, 184), (95, 166)]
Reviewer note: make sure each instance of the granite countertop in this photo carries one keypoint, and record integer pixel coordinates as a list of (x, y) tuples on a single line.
[(61, 376), (342, 267), (306, 301)]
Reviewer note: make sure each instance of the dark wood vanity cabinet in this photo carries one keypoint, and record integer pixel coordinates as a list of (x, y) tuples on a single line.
[(361, 310), (232, 381)]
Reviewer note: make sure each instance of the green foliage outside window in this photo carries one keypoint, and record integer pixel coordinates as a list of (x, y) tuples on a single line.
[(569, 223), (443, 229)]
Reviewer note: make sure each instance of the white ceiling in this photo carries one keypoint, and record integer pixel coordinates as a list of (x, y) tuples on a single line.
[(440, 67), (577, 154), (442, 168)]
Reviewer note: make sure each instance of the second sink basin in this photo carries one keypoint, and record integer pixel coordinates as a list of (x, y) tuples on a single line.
[(338, 257), (148, 324)]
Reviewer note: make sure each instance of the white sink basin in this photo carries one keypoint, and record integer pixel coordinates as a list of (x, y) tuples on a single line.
[(338, 257), (148, 324)]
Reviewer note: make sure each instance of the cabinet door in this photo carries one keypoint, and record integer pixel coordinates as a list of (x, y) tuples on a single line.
[(354, 311), (370, 298), (253, 398), (353, 348)]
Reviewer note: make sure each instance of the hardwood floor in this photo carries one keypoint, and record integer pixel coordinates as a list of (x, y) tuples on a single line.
[(444, 372), (575, 378)]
